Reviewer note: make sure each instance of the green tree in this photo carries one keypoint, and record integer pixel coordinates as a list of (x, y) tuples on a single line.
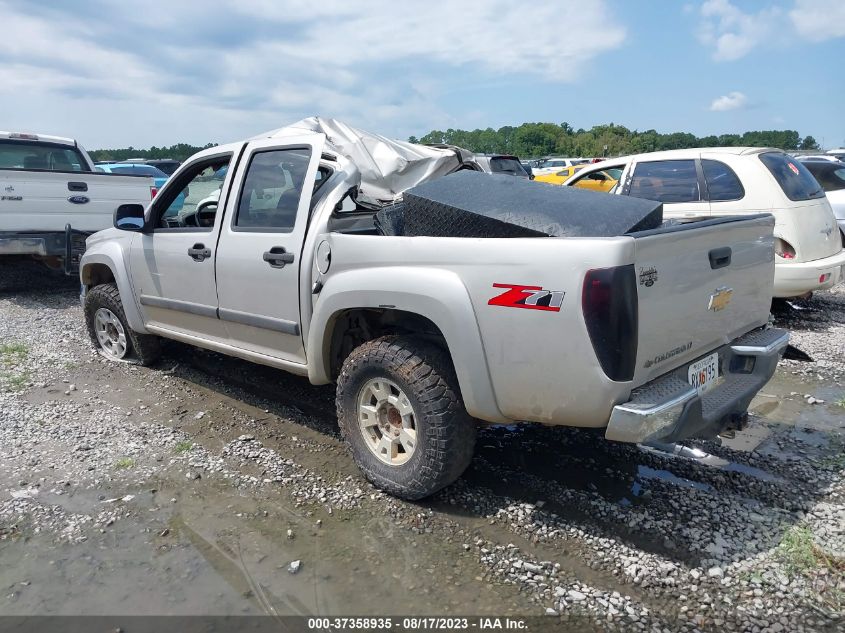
[(808, 143)]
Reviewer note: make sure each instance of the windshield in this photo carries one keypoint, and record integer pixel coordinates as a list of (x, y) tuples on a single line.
[(138, 170), (794, 179), (511, 166), (830, 175)]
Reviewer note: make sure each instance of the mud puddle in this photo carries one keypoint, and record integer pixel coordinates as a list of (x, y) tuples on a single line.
[(209, 549)]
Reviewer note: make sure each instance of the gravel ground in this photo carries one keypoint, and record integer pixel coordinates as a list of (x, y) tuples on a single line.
[(209, 485)]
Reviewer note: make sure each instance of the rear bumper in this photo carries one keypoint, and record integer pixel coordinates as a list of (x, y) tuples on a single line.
[(798, 278), (43, 244), (669, 409)]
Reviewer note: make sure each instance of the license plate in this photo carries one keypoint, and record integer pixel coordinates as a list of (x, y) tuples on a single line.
[(704, 373)]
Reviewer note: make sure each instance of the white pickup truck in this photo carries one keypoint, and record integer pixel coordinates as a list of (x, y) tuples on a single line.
[(656, 335), (51, 198)]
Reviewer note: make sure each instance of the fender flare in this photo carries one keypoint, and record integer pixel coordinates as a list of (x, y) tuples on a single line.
[(111, 255), (404, 288)]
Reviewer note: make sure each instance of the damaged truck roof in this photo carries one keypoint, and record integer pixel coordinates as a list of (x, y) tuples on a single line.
[(388, 167)]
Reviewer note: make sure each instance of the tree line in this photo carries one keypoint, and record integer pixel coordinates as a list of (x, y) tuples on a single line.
[(180, 151), (533, 140)]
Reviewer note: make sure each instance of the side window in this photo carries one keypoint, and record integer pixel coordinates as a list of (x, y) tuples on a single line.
[(192, 202), (666, 181), (271, 190), (722, 183)]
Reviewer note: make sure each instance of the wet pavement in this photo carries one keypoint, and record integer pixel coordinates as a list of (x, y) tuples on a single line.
[(191, 487)]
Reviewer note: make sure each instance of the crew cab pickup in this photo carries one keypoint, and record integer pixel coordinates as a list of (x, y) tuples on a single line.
[(657, 335), (51, 198)]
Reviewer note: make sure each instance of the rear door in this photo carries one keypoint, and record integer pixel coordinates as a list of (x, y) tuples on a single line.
[(677, 183), (258, 256), (700, 287)]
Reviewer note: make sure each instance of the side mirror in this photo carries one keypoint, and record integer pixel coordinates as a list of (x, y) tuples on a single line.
[(129, 217)]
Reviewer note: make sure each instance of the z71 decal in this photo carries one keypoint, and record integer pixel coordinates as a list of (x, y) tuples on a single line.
[(529, 297)]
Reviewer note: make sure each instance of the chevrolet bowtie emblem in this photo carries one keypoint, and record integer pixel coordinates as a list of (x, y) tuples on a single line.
[(720, 299)]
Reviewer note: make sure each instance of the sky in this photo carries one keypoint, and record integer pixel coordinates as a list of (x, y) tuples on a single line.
[(118, 74)]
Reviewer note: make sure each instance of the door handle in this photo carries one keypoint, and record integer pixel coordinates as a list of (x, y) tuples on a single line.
[(77, 186), (199, 252), (277, 257), (720, 257)]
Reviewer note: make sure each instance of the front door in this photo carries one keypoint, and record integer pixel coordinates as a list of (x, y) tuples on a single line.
[(172, 265), (258, 256)]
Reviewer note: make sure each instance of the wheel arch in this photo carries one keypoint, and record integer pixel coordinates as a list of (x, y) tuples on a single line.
[(375, 302), (100, 267)]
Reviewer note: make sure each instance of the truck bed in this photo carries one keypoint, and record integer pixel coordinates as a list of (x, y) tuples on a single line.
[(543, 364)]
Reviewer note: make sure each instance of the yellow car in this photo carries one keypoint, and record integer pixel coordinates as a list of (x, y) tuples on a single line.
[(603, 180), (559, 177)]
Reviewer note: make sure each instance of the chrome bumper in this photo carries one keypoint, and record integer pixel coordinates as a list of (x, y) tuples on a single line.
[(669, 409), (23, 245)]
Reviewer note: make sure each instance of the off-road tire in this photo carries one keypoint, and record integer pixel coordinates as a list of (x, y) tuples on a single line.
[(144, 349), (445, 439)]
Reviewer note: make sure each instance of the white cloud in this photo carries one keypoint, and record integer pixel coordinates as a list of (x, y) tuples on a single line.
[(731, 101), (732, 33), (180, 71), (819, 20)]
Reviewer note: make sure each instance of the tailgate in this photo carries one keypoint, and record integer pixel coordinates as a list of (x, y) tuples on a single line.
[(44, 201), (700, 285), (811, 229)]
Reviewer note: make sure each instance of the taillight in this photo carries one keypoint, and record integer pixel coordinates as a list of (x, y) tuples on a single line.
[(153, 192), (609, 303), (783, 249)]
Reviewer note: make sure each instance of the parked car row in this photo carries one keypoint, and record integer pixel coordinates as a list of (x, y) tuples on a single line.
[(695, 184)]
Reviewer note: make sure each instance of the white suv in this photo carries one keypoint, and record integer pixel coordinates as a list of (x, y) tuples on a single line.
[(705, 182)]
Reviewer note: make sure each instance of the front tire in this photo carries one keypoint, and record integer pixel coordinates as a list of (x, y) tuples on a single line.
[(110, 332), (400, 411)]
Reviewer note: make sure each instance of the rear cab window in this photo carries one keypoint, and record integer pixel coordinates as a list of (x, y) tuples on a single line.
[(40, 156), (666, 181), (794, 179)]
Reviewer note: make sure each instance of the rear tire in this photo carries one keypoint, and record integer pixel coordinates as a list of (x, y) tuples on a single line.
[(110, 332), (400, 411)]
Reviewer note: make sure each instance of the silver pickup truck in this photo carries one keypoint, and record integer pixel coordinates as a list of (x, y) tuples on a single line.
[(657, 335)]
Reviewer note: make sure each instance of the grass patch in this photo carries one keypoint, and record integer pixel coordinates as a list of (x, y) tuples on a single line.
[(13, 353), (183, 447), (13, 381), (124, 463), (800, 554)]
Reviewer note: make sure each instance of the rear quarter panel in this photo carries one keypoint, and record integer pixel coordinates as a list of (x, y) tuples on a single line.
[(539, 364)]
